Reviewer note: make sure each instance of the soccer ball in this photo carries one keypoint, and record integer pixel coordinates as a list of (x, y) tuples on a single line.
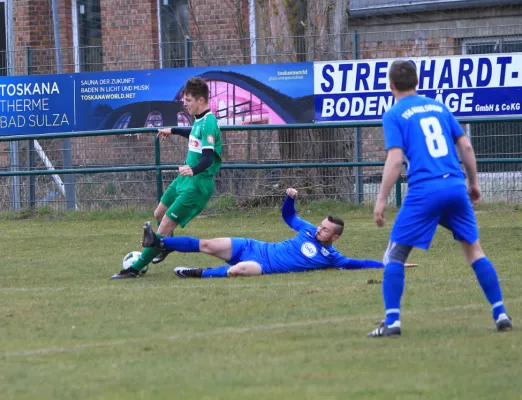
[(131, 258)]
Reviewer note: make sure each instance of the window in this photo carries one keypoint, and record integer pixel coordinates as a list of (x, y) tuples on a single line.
[(174, 22), (154, 120), (90, 35), (497, 139), (123, 122), (234, 105), (184, 119), (361, 8)]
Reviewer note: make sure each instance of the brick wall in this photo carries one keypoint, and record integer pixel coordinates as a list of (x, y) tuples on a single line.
[(408, 48), (66, 35), (129, 34), (33, 27), (219, 29)]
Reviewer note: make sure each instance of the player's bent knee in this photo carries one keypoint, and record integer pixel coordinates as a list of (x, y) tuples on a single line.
[(159, 214), (246, 269), (235, 271), (397, 253)]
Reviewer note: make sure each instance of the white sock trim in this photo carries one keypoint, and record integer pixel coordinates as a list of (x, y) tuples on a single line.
[(393, 311), (497, 304)]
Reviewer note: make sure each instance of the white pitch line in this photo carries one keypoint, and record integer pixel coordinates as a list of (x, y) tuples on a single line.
[(36, 289), (231, 331), (129, 287), (410, 280)]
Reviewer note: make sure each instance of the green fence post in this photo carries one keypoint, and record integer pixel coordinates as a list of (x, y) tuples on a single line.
[(398, 192), (157, 156)]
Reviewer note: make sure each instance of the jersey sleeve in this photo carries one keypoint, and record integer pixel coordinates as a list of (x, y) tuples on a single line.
[(209, 133), (341, 262), (456, 128), (392, 132), (290, 216)]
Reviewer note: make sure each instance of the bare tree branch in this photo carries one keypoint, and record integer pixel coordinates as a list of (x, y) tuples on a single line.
[(240, 12), (199, 43)]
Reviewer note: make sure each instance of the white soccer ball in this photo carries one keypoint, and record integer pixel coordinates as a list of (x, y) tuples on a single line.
[(131, 258)]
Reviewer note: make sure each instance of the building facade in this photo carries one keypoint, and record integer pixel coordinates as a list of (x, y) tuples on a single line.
[(108, 35)]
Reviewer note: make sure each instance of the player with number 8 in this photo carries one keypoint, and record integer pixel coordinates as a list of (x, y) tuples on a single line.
[(427, 135)]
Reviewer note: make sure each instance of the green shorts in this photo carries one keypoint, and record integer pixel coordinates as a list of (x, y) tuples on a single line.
[(186, 197)]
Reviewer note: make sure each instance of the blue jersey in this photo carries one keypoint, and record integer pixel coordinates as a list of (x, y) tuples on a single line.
[(303, 252), (426, 131)]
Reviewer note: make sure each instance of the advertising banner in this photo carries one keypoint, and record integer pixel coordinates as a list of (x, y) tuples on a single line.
[(239, 95), (470, 86), (269, 94), (31, 104)]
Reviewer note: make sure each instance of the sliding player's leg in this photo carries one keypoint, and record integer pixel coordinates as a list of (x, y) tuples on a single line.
[(242, 255), (244, 268), (219, 247)]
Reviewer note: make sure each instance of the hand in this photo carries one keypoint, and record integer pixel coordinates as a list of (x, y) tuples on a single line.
[(291, 192), (163, 133), (185, 170), (378, 213), (474, 194)]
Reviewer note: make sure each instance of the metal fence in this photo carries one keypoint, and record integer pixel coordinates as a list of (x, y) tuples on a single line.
[(259, 165)]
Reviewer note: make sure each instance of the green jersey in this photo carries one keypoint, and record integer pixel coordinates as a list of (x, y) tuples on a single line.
[(205, 134)]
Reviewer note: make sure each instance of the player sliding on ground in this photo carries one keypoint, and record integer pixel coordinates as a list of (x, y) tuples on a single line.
[(311, 249), (428, 136)]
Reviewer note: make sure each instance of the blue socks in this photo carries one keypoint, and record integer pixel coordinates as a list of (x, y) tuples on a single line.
[(392, 289), (183, 244), (488, 279), (219, 272), (186, 244)]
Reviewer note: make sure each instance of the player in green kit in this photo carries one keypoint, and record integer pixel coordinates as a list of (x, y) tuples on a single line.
[(190, 192)]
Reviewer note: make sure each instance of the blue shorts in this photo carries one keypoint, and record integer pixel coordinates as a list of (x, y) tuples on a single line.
[(436, 202), (249, 250)]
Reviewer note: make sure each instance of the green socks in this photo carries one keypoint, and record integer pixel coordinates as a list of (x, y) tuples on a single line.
[(147, 256)]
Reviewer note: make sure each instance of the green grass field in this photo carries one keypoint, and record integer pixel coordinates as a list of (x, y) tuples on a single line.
[(67, 332)]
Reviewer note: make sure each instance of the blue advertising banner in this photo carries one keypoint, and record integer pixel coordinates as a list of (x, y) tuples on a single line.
[(37, 104), (470, 86), (239, 95), (270, 94)]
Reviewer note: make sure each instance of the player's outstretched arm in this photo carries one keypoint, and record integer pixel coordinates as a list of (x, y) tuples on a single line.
[(342, 262), (164, 133), (289, 214)]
